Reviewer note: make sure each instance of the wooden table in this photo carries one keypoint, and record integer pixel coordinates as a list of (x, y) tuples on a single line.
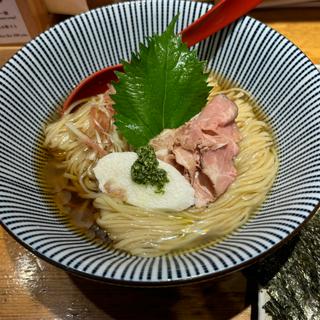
[(31, 289)]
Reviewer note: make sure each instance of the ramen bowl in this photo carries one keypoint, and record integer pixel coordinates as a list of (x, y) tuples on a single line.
[(37, 80)]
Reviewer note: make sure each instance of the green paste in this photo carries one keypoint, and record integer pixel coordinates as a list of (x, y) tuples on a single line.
[(145, 170)]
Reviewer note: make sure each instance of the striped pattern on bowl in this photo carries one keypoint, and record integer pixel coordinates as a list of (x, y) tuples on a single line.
[(35, 82)]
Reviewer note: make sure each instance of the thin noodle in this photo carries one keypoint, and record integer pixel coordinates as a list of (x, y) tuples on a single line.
[(153, 232), (147, 232)]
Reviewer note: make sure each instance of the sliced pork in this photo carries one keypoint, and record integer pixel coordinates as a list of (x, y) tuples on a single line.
[(204, 148)]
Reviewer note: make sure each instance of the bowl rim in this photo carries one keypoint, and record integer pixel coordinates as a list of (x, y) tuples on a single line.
[(168, 282)]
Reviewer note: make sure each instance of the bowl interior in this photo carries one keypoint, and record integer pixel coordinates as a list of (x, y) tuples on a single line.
[(36, 81)]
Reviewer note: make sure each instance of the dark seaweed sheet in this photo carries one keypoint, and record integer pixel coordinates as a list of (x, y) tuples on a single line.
[(292, 276)]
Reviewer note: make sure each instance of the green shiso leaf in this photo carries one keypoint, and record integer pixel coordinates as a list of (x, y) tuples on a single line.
[(163, 86)]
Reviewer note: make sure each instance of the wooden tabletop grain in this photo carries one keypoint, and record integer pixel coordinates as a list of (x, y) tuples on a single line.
[(31, 289)]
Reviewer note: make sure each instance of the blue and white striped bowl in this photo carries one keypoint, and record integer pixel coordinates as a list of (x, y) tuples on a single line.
[(41, 75)]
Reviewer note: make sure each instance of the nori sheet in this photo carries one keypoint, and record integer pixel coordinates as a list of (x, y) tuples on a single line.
[(292, 276)]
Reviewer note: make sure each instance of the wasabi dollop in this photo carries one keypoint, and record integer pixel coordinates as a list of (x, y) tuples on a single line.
[(145, 170)]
